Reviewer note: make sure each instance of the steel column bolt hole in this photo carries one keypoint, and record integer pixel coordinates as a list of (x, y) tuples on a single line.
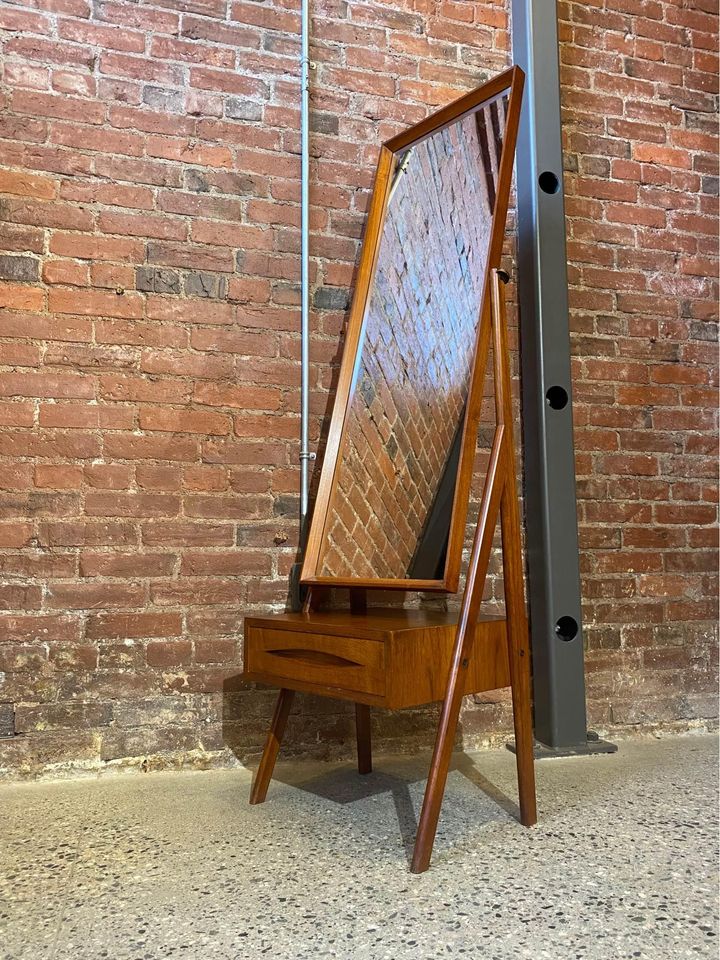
[(566, 628), (548, 182), (557, 398)]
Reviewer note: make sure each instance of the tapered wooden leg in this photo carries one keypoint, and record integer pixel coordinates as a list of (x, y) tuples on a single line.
[(364, 743), (519, 655), (477, 571), (522, 718), (264, 772), (437, 777), (517, 628)]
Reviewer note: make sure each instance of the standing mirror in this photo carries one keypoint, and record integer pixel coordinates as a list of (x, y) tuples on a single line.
[(393, 496), (394, 489)]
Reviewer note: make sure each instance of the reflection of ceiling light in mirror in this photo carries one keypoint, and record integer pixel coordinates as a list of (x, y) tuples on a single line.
[(399, 171)]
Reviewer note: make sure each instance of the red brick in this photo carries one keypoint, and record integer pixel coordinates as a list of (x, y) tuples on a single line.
[(139, 68), (76, 84), (95, 303), (78, 533), (131, 505), (168, 654), (203, 592), (665, 156), (170, 148), (67, 108), (16, 534), (187, 364), (24, 20), (127, 565), (130, 447), (122, 626), (26, 75), (234, 507), (45, 385), (235, 564), (86, 416), (105, 37), (15, 296), (205, 478), (215, 650), (127, 332), (80, 596), (167, 48), (66, 272), (81, 137), (110, 194), (24, 184), (89, 247), (143, 389), (242, 398), (46, 328), (235, 341), (146, 225), (152, 477), (178, 421), (108, 476), (112, 276), (16, 414), (187, 533), (64, 477)]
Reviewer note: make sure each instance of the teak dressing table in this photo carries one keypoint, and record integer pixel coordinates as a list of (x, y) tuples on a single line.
[(392, 503)]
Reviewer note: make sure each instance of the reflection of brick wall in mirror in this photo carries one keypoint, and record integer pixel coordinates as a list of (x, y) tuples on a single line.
[(414, 367)]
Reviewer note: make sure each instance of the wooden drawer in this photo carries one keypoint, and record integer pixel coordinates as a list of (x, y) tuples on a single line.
[(342, 662)]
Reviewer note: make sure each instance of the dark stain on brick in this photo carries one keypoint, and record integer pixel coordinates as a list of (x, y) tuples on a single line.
[(331, 298), (198, 283), (7, 720), (367, 389), (237, 109), (704, 330), (157, 280), (324, 123), (169, 101), (24, 269), (196, 181), (286, 506)]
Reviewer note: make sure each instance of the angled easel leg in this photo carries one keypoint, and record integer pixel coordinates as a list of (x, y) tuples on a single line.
[(500, 496), (515, 616), (447, 728), (364, 742), (518, 655), (260, 785)]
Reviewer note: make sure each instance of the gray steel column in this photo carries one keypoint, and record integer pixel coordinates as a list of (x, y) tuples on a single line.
[(551, 517)]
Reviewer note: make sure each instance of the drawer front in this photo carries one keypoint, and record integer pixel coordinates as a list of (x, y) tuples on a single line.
[(342, 662)]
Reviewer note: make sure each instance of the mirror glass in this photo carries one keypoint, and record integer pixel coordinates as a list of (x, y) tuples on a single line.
[(391, 511)]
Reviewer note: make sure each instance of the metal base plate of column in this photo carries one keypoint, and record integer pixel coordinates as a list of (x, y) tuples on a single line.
[(594, 744)]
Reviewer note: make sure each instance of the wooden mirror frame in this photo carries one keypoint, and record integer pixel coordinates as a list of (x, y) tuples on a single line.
[(510, 82)]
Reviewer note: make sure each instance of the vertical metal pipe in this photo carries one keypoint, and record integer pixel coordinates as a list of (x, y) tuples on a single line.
[(305, 455)]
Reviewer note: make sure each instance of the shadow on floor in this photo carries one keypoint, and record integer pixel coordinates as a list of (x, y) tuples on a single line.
[(244, 705), (344, 785)]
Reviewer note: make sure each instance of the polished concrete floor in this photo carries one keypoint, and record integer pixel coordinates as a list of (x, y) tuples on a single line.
[(622, 864)]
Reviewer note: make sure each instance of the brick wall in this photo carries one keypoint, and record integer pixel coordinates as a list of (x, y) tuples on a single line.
[(148, 347), (642, 220), (417, 346)]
